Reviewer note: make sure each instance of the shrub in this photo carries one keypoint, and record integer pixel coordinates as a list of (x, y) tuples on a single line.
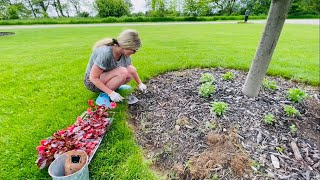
[(296, 95), (228, 76), (207, 77), (206, 89), (291, 111), (271, 85), (219, 108), (83, 14), (269, 119)]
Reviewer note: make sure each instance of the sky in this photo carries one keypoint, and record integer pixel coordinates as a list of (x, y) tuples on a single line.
[(138, 6)]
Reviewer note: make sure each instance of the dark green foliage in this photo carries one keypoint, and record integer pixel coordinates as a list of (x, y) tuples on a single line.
[(116, 8), (10, 9), (121, 19), (13, 11), (83, 14), (305, 7)]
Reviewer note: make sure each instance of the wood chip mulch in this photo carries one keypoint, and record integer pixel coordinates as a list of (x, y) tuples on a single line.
[(6, 33), (185, 140)]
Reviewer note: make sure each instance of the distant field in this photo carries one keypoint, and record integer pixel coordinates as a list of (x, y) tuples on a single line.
[(41, 80)]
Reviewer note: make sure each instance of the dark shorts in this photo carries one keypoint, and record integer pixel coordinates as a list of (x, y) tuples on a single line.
[(90, 85)]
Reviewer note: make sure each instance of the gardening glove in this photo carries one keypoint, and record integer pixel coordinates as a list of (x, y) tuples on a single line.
[(143, 87), (114, 96)]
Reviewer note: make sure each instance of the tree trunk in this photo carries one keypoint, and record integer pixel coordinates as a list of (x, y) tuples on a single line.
[(60, 8), (276, 17), (77, 9), (32, 9), (44, 8), (55, 7)]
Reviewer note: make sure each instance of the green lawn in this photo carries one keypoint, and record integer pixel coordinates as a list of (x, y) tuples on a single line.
[(42, 91)]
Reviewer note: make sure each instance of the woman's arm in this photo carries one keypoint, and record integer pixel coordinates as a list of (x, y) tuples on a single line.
[(136, 77)]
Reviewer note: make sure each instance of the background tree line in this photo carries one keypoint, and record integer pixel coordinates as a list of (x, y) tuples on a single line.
[(19, 9)]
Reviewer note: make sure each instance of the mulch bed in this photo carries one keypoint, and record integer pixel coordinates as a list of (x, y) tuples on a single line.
[(6, 33), (185, 140)]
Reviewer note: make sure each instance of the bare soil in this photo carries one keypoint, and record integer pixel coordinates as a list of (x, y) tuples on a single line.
[(185, 140)]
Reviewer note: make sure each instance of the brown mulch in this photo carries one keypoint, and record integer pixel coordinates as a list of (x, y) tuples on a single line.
[(185, 140), (6, 33)]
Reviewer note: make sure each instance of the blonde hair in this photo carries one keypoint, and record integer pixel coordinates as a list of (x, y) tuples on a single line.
[(127, 39)]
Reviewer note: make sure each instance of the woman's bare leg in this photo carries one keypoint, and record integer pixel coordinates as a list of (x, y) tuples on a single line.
[(114, 78)]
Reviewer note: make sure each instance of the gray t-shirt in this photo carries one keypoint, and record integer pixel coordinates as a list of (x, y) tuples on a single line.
[(102, 57)]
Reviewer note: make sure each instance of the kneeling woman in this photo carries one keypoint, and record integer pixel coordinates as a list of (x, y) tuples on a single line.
[(110, 64)]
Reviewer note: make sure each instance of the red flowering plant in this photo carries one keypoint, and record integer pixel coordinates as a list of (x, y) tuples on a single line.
[(85, 134)]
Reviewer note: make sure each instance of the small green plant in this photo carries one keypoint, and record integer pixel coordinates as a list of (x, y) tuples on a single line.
[(269, 119), (291, 111), (219, 108), (293, 129), (214, 177), (256, 165), (271, 85), (207, 77), (188, 164), (296, 95), (206, 89), (228, 76), (280, 149), (211, 125)]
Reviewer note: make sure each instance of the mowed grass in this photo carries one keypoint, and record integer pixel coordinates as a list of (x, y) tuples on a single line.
[(42, 91)]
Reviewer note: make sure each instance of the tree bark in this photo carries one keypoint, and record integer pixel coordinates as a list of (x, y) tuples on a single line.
[(60, 8), (55, 7), (276, 17), (32, 9)]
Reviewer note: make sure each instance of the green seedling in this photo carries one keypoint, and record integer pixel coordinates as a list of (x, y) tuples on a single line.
[(219, 108), (271, 85), (206, 89), (296, 95), (291, 111), (207, 77), (214, 177), (280, 149), (228, 76), (269, 119), (293, 129), (256, 165), (211, 125)]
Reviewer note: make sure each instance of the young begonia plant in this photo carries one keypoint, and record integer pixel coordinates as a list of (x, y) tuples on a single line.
[(84, 134)]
